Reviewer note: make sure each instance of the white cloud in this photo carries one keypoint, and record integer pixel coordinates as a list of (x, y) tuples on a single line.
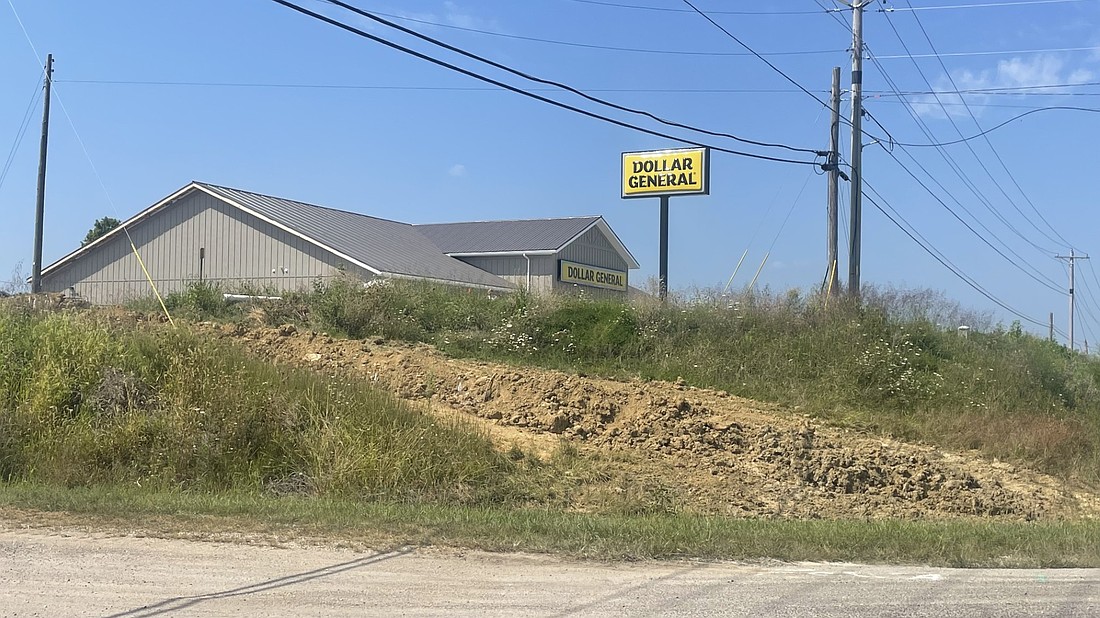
[(455, 16), (1018, 72), (457, 170)]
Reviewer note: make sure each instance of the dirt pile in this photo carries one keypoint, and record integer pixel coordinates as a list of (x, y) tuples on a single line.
[(717, 453)]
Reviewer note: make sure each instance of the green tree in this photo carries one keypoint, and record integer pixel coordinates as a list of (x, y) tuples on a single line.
[(101, 227)]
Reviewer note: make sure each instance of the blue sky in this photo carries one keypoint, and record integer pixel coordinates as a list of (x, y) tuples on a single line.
[(161, 93)]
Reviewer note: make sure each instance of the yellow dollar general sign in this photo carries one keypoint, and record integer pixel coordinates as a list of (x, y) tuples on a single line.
[(685, 171)]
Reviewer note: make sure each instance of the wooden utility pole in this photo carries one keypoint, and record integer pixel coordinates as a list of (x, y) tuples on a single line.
[(40, 201), (833, 166)]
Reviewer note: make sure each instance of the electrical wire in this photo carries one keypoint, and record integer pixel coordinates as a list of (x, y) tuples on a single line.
[(985, 132), (1087, 308), (970, 148), (1015, 52), (763, 218), (755, 53), (1007, 90), (517, 90), (953, 165), (879, 96), (566, 87), (938, 256), (95, 170), (623, 5), (1014, 263), (1093, 296), (994, 105), (683, 52), (131, 82), (635, 50), (984, 5), (24, 124), (1037, 278), (988, 143)]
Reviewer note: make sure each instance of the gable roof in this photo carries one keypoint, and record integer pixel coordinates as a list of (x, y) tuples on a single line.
[(519, 236), (380, 246), (505, 236)]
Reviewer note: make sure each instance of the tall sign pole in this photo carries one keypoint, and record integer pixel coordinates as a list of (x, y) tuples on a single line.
[(857, 145), (664, 173), (663, 271), (833, 165), (40, 201)]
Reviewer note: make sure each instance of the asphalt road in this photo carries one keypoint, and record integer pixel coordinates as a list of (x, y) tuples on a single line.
[(46, 573)]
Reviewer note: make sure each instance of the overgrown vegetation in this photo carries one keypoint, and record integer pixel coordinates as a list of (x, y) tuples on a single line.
[(88, 400), (100, 417), (83, 403), (894, 364)]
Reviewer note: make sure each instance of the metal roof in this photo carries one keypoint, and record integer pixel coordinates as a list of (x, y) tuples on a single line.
[(506, 236), (391, 247), (388, 247)]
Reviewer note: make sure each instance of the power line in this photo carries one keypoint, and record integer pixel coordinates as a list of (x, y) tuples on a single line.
[(984, 5), (517, 90), (135, 82), (1011, 90), (939, 257), (1086, 307), (1004, 52), (880, 96), (561, 85), (988, 143), (21, 131), (985, 132), (953, 164), (996, 105), (623, 5), (636, 50), (1047, 283), (687, 52), (755, 53)]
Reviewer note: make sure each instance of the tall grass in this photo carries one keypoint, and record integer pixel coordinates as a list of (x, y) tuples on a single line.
[(83, 402), (894, 363)]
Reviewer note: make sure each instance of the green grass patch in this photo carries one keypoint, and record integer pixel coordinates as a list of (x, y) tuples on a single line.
[(956, 543)]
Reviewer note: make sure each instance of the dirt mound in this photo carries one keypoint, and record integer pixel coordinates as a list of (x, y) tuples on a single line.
[(717, 453)]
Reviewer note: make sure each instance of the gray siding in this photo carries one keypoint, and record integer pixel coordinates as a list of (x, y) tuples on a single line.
[(513, 268), (241, 250), (591, 248)]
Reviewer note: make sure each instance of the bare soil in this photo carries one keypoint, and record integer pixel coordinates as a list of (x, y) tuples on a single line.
[(706, 450)]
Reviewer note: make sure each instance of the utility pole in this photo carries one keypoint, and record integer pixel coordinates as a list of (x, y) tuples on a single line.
[(40, 201), (1071, 258), (1052, 326), (857, 143), (833, 165)]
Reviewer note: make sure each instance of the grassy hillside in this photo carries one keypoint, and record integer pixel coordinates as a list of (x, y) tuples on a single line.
[(154, 428), (84, 402), (896, 364)]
